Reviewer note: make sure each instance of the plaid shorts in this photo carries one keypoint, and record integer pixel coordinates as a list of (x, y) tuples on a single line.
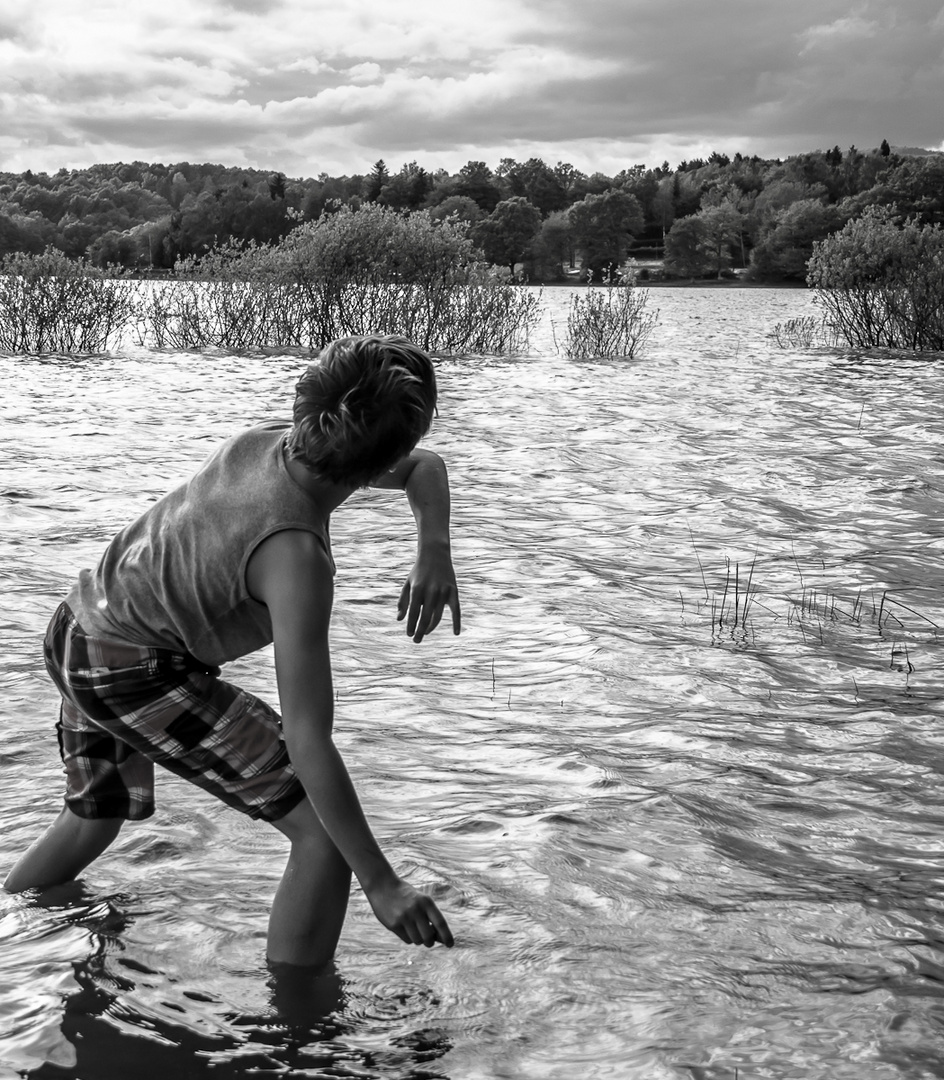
[(125, 707)]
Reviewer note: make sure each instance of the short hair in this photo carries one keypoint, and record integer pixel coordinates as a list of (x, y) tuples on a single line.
[(361, 407)]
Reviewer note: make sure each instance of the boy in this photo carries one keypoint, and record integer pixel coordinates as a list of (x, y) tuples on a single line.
[(234, 559)]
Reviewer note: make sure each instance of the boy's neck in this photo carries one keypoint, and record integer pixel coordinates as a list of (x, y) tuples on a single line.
[(327, 494)]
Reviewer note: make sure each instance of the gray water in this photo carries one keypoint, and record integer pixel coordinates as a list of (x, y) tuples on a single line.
[(674, 838)]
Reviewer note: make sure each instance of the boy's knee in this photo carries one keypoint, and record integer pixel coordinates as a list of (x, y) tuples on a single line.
[(63, 851), (304, 829)]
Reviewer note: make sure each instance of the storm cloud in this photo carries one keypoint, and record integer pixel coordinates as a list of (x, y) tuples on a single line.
[(307, 87)]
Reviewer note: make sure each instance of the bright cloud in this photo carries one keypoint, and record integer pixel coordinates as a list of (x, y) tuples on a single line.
[(837, 35), (307, 86)]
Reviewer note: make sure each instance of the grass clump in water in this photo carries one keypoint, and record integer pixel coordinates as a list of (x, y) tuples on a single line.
[(50, 303), (804, 333), (731, 610), (732, 604), (609, 321)]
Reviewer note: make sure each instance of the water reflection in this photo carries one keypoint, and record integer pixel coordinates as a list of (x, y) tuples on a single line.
[(676, 838), (117, 1016)]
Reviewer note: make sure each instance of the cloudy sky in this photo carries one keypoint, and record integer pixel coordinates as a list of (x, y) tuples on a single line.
[(307, 86)]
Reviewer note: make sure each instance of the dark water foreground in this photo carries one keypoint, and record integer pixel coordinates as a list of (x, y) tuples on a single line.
[(674, 839)]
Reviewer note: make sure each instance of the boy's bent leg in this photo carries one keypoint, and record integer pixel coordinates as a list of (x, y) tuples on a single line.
[(63, 851), (311, 901)]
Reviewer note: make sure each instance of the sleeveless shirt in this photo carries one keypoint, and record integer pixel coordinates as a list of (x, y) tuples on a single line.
[(176, 577)]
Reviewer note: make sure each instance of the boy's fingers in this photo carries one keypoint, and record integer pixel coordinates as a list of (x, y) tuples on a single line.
[(413, 619), (426, 622), (423, 616), (403, 602), (439, 925)]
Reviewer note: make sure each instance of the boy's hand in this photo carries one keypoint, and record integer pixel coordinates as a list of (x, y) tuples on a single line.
[(430, 588), (410, 914)]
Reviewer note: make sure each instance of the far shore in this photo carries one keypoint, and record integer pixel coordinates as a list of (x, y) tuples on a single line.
[(681, 283)]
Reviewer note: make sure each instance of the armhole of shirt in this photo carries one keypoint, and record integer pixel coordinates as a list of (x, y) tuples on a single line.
[(302, 526)]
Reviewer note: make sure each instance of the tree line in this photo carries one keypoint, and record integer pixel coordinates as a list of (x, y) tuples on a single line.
[(703, 218)]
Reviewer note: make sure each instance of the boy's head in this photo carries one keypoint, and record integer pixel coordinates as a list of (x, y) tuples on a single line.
[(361, 407)]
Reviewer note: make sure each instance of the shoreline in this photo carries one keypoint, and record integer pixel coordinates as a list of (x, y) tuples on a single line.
[(661, 283)]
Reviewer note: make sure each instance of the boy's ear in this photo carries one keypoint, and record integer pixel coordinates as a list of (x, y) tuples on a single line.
[(397, 476)]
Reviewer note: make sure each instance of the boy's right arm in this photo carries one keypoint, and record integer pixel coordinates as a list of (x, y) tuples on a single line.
[(290, 573)]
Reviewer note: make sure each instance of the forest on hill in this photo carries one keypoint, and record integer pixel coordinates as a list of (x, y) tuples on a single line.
[(703, 218)]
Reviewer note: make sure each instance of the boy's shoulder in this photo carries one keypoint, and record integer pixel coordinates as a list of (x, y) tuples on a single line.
[(266, 434), (252, 448)]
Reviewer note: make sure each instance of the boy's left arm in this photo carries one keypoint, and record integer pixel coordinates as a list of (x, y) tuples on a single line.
[(431, 586)]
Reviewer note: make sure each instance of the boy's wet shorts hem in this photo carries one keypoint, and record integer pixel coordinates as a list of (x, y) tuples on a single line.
[(126, 707)]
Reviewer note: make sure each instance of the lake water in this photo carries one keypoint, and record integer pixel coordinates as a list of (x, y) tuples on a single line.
[(674, 838)]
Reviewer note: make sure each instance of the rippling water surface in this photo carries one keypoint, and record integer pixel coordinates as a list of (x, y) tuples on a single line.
[(674, 837)]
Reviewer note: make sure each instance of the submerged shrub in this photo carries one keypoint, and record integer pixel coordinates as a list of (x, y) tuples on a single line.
[(374, 270), (609, 320), (50, 303), (881, 284), (231, 298), (485, 314), (368, 271)]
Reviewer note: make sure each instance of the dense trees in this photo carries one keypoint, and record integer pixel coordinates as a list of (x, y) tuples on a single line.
[(603, 228), (476, 182), (706, 217), (537, 183), (685, 248), (505, 236), (787, 243), (553, 250), (407, 190), (142, 215)]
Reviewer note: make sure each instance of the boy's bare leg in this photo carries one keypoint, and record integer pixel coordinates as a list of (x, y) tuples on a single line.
[(311, 901), (63, 851)]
